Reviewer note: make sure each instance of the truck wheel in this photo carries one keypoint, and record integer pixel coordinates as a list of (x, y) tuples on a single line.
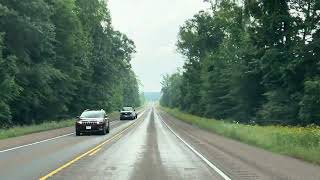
[(77, 133)]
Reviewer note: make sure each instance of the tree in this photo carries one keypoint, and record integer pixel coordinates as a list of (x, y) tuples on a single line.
[(256, 61), (8, 86), (58, 57)]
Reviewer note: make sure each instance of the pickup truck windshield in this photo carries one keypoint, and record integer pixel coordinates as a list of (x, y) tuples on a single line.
[(127, 109)]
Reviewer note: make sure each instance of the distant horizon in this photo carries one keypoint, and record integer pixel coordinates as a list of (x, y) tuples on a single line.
[(152, 96), (155, 35)]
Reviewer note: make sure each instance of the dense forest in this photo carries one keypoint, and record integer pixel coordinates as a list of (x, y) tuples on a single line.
[(59, 57), (250, 61)]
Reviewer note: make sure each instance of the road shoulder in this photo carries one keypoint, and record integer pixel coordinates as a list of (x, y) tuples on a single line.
[(239, 160)]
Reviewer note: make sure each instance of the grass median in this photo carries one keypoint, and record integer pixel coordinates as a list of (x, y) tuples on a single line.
[(299, 142)]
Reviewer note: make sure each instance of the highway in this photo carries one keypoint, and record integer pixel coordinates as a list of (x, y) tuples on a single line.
[(155, 146)]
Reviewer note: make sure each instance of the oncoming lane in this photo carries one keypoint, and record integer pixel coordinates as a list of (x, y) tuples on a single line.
[(34, 161)]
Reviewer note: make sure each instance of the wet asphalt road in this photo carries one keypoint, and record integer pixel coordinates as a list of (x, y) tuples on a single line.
[(149, 151), (155, 146)]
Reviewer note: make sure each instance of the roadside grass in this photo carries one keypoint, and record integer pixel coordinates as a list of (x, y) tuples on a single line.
[(24, 130), (299, 142)]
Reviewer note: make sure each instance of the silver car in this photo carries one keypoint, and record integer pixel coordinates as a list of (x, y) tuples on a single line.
[(128, 113)]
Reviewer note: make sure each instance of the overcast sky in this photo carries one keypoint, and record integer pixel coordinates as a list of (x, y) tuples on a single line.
[(153, 25)]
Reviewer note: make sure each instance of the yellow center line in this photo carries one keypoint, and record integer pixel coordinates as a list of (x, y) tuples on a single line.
[(94, 152), (118, 135)]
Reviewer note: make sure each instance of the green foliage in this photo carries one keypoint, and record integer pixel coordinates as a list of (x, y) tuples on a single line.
[(143, 100), (8, 86), (58, 57), (171, 90), (256, 61), (310, 111)]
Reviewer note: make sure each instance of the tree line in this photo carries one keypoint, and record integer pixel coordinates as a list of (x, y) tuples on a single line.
[(250, 61), (59, 57)]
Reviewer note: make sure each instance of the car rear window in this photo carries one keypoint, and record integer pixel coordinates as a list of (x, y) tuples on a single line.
[(92, 114)]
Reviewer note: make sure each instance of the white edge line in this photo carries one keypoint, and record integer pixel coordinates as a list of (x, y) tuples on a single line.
[(18, 147), (50, 139), (222, 174)]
